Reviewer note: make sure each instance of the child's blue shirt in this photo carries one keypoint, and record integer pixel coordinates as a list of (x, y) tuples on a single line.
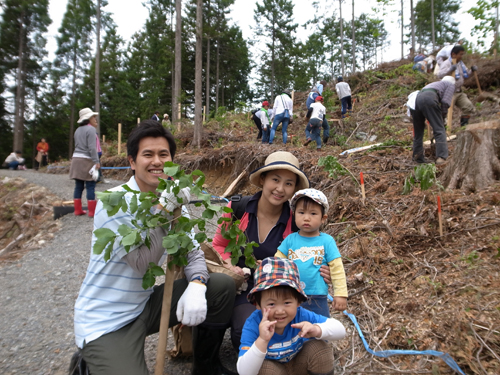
[(281, 348), (309, 254)]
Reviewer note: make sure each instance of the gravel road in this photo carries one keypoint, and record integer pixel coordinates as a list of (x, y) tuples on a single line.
[(38, 292)]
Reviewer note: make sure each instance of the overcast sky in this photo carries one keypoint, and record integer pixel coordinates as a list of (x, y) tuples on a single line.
[(130, 16)]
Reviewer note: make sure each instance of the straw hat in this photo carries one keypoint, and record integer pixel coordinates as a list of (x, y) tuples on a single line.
[(274, 272), (85, 114), (281, 160)]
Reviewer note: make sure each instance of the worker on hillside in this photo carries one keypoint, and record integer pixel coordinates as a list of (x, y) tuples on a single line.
[(344, 92), (15, 161), (315, 116), (445, 53), (426, 65), (283, 112), (316, 91), (431, 103), (461, 72), (262, 119)]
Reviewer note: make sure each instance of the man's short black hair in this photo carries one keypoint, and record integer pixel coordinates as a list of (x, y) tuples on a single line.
[(457, 49), (18, 152), (149, 128)]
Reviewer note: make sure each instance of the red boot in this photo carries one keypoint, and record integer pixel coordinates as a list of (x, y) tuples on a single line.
[(78, 207), (91, 206)]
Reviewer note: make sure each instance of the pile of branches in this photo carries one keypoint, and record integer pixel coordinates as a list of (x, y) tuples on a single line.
[(26, 220)]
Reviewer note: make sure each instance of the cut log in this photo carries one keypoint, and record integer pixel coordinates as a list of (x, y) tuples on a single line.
[(475, 163)]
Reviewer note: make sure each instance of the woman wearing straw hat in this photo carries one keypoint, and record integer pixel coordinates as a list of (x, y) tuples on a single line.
[(84, 158), (266, 220)]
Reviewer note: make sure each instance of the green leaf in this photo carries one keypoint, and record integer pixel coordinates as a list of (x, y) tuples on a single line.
[(101, 243), (227, 209), (133, 238), (133, 204), (124, 230), (108, 251)]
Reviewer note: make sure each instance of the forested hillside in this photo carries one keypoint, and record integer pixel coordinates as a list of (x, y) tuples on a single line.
[(132, 79)]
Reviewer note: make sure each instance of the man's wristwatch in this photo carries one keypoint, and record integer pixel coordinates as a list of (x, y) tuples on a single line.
[(200, 279)]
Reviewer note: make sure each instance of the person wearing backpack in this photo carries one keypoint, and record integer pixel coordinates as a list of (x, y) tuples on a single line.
[(265, 218), (283, 112)]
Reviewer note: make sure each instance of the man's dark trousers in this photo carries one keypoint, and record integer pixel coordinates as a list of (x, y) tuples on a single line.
[(428, 106)]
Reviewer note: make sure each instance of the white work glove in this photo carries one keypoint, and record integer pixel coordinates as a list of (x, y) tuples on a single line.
[(94, 172), (192, 306), (169, 200)]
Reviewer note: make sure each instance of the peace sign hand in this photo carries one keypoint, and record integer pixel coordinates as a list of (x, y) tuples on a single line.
[(308, 330), (266, 327)]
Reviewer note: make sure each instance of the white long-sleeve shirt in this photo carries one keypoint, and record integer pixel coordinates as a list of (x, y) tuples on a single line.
[(282, 102), (263, 118), (318, 110), (343, 89)]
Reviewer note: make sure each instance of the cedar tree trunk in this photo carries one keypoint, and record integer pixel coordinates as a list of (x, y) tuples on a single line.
[(475, 163)]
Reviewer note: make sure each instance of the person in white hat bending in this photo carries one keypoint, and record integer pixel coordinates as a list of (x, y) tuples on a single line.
[(432, 103)]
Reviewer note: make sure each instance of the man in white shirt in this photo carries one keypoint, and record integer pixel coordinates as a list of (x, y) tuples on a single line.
[(316, 116), (344, 92), (283, 112)]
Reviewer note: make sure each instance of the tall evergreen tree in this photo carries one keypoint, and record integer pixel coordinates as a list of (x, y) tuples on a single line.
[(73, 54), (22, 48), (446, 30), (274, 25)]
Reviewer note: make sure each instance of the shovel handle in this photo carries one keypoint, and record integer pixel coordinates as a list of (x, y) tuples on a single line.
[(165, 310), (477, 81)]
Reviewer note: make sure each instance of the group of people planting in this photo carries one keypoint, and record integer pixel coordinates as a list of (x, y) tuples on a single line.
[(280, 325), (267, 120)]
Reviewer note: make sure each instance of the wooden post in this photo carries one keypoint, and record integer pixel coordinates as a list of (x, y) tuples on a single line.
[(204, 112), (179, 118), (103, 138), (440, 217), (428, 130), (165, 310), (362, 186), (477, 83), (119, 138), (449, 118), (293, 92)]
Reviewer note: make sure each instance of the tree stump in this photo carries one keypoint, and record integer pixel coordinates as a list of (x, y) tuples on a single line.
[(475, 163)]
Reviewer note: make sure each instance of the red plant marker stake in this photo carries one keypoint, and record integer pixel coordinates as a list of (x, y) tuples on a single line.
[(440, 217), (362, 186)]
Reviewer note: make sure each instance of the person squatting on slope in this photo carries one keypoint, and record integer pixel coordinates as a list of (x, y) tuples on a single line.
[(309, 249), (344, 93), (431, 103), (281, 337), (262, 120), (84, 158), (14, 161), (316, 116), (283, 112), (114, 314), (461, 72)]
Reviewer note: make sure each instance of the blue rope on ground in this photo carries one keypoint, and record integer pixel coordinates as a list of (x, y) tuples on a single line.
[(215, 196), (115, 167), (389, 353), (57, 166)]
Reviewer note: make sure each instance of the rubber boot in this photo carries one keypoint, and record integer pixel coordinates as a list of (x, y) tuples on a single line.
[(78, 207), (325, 140), (91, 206), (464, 120), (206, 346)]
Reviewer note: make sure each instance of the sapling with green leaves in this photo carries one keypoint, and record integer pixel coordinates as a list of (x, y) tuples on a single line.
[(425, 175), (151, 210)]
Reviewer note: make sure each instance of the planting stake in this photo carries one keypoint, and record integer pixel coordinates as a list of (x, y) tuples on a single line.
[(362, 185), (440, 217), (165, 310), (119, 138)]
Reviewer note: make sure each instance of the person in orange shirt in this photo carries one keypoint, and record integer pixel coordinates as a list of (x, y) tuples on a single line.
[(42, 156)]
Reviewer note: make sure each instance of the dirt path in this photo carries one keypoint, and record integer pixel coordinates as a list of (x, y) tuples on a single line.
[(38, 292)]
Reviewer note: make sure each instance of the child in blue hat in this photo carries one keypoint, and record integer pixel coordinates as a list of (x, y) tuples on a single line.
[(281, 336)]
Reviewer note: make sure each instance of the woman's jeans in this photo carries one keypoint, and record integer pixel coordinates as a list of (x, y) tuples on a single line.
[(277, 119), (79, 186), (318, 305), (325, 126), (315, 131)]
